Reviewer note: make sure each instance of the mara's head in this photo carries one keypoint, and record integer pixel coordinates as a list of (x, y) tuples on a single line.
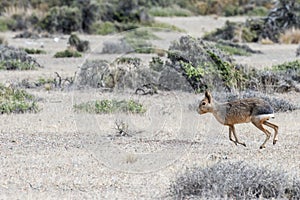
[(205, 105)]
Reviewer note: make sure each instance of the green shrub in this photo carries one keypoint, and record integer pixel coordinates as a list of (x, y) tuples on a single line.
[(80, 45), (170, 11), (16, 65), (280, 78), (14, 100), (236, 180), (16, 59), (203, 65), (3, 24), (34, 51), (103, 28), (110, 106), (67, 54), (232, 50), (143, 34), (258, 11), (62, 19), (160, 26), (230, 10), (288, 66), (138, 40)]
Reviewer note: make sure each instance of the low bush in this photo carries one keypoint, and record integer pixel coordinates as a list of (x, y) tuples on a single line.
[(129, 60), (16, 59), (67, 54), (290, 36), (62, 19), (110, 106), (237, 180), (170, 11), (104, 28), (204, 65), (15, 65), (3, 24), (13, 100), (160, 26), (232, 50), (134, 41), (280, 78), (76, 42), (34, 51), (258, 11), (156, 64)]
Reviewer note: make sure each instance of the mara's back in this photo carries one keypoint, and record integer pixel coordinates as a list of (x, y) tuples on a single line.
[(243, 110)]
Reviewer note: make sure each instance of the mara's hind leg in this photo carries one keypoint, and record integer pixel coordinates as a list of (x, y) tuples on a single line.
[(275, 127), (231, 127), (259, 125), (230, 135)]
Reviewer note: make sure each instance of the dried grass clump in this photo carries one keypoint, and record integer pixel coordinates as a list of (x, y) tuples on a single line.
[(236, 180), (290, 36)]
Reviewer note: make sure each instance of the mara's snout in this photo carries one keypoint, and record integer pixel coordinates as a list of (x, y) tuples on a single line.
[(200, 111)]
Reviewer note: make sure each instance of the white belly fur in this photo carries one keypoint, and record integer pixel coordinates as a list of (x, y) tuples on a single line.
[(268, 116)]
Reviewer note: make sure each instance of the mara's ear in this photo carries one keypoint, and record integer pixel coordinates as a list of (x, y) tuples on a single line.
[(208, 96)]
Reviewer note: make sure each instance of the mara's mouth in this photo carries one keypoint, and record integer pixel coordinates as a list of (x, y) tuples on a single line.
[(201, 112)]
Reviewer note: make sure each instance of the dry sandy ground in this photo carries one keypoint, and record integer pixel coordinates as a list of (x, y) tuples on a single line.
[(59, 154)]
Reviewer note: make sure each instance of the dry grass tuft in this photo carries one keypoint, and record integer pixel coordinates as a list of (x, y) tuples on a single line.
[(266, 41), (290, 36)]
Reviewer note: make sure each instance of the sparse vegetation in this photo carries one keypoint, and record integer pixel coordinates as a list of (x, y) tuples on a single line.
[(204, 65), (13, 100), (129, 60), (133, 41), (288, 67), (232, 50), (170, 11), (16, 59), (62, 19), (121, 128), (156, 64), (34, 51), (67, 54), (15, 65), (235, 180), (104, 28), (110, 106), (78, 44), (290, 36)]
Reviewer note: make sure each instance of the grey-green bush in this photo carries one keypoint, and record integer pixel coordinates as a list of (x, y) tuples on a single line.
[(234, 180), (16, 59), (204, 65)]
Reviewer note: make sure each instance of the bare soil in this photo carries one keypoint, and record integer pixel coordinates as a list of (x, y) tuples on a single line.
[(60, 154)]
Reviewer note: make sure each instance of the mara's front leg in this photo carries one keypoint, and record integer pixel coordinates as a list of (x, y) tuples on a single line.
[(231, 127)]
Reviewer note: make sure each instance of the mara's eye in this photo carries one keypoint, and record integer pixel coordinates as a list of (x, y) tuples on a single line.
[(203, 103)]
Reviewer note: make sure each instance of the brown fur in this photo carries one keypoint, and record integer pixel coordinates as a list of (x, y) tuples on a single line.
[(252, 110)]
